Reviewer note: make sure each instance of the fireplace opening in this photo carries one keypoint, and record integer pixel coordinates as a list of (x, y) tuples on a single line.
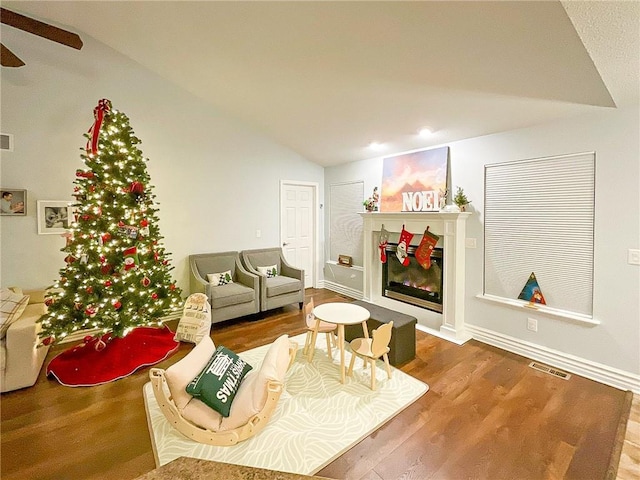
[(413, 284)]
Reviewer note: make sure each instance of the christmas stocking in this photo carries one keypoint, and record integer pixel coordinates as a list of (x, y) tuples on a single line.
[(423, 252), (403, 245), (382, 245)]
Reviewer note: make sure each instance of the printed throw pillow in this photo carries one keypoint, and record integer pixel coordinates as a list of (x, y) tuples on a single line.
[(217, 279), (218, 382), (270, 271), (11, 307)]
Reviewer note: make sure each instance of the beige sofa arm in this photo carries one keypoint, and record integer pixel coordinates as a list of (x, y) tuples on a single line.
[(23, 356)]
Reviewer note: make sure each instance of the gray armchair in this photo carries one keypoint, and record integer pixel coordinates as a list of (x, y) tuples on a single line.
[(285, 288), (237, 299)]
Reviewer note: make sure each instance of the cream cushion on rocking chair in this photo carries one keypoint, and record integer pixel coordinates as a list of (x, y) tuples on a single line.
[(250, 411)]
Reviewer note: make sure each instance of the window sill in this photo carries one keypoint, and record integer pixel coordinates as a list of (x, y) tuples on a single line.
[(352, 267), (542, 310)]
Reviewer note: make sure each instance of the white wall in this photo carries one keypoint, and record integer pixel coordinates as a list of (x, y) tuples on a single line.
[(615, 137), (216, 179)]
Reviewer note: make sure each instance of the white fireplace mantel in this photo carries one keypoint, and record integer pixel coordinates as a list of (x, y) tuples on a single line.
[(451, 229)]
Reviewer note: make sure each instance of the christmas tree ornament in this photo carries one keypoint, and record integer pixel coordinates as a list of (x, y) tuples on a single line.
[(84, 258), (69, 258), (117, 304), (403, 246), (382, 244), (427, 244), (68, 236), (154, 295), (84, 174), (104, 106), (145, 282), (89, 289), (130, 258), (137, 188), (108, 283), (144, 227)]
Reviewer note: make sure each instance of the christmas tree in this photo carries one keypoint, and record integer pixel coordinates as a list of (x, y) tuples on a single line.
[(116, 275)]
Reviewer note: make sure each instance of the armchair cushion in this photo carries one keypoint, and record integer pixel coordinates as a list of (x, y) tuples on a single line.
[(218, 279), (231, 294), (280, 285), (12, 305)]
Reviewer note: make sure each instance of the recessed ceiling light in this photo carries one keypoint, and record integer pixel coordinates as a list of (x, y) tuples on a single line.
[(377, 146), (425, 132)]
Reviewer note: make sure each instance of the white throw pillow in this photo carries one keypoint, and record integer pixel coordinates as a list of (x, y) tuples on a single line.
[(270, 271), (195, 323), (218, 279), (180, 374), (11, 307)]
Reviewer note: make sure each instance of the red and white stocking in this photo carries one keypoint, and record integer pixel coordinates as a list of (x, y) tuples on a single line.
[(403, 245), (427, 244), (382, 244)]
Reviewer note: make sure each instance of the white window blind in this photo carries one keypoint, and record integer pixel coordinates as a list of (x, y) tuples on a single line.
[(539, 217), (345, 221)]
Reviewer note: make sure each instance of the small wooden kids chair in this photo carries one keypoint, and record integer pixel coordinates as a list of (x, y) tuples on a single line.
[(372, 349), (324, 327)]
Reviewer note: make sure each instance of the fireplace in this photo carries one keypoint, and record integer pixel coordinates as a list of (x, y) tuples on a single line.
[(413, 284), (450, 227)]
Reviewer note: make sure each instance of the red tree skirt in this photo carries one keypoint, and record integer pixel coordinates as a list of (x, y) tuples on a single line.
[(85, 365)]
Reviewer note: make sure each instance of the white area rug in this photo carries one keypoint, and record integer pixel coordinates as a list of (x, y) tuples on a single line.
[(317, 418)]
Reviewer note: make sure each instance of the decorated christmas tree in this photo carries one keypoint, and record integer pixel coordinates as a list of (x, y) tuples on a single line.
[(116, 274)]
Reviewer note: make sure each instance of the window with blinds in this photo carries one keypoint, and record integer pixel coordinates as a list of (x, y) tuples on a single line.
[(345, 222), (539, 217)]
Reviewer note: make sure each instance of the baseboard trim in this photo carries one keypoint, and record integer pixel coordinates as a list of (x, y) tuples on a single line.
[(349, 292), (579, 366)]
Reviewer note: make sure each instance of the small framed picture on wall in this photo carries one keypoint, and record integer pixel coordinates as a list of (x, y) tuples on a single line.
[(54, 216), (14, 202)]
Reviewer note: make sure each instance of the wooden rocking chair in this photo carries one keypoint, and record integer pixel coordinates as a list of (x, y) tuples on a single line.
[(248, 428)]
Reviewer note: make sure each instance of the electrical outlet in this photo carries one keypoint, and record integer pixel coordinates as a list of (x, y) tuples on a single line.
[(470, 242), (633, 257), (258, 233), (532, 324)]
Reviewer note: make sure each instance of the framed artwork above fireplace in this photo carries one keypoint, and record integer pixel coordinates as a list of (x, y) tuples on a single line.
[(414, 181)]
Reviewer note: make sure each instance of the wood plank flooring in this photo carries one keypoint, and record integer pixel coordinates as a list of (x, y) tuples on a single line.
[(487, 415)]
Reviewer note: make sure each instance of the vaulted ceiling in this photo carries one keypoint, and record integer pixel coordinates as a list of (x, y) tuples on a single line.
[(328, 78)]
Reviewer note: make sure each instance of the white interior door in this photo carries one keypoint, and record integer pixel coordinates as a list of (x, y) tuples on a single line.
[(298, 226)]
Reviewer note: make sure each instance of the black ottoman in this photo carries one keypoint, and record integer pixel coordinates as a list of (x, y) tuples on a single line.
[(403, 337)]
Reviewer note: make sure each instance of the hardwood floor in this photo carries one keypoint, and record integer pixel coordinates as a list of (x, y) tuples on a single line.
[(487, 415)]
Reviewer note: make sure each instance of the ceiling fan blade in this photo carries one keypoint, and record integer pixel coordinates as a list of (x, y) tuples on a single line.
[(39, 28), (8, 58)]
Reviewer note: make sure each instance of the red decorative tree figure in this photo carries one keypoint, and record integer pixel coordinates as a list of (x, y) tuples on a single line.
[(116, 275)]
